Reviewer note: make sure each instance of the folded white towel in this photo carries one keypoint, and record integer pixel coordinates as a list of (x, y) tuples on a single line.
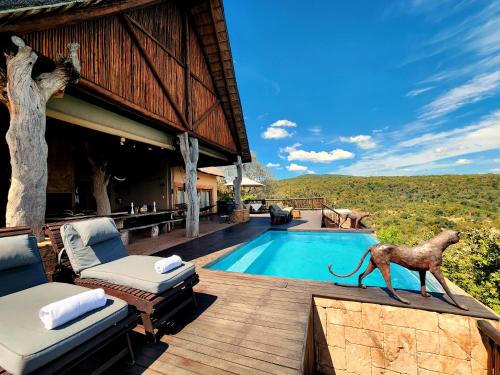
[(59, 312), (168, 264)]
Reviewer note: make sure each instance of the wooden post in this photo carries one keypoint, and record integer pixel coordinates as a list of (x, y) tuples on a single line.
[(190, 152), (237, 183), (26, 99)]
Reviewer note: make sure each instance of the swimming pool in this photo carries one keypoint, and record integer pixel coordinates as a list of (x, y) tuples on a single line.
[(306, 255)]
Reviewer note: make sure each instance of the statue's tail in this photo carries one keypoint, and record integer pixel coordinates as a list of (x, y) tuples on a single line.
[(355, 270)]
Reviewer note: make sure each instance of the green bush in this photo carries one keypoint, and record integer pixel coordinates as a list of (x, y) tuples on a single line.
[(474, 265), (390, 234)]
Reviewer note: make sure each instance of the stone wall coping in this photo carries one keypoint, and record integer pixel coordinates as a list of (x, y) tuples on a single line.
[(439, 302)]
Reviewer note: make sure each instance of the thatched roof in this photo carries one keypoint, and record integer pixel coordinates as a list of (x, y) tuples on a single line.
[(209, 21), (16, 9)]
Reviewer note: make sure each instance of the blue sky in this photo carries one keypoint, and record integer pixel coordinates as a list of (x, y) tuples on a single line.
[(369, 87)]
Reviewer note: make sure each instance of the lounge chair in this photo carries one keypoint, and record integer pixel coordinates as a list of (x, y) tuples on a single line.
[(280, 215), (26, 346), (92, 251)]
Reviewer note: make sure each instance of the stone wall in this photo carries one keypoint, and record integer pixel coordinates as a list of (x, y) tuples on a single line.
[(368, 339)]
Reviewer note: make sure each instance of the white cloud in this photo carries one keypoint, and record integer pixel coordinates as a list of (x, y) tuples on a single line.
[(275, 133), (362, 141), (314, 156), (299, 168), (320, 156), (463, 161), (479, 137), (431, 137), (284, 123), (496, 160), (417, 92), (296, 168), (496, 170), (477, 89), (316, 130), (375, 131), (473, 42), (272, 165), (291, 148)]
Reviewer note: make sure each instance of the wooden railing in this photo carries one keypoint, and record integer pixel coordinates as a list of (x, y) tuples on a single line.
[(331, 218), (300, 203), (491, 340)]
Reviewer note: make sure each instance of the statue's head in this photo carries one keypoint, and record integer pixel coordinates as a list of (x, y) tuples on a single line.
[(451, 236)]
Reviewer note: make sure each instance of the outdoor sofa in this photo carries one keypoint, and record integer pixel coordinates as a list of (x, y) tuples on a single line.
[(26, 346), (280, 215), (92, 253)]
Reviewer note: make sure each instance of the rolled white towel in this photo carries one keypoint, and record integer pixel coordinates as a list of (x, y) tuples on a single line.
[(59, 312), (168, 264)]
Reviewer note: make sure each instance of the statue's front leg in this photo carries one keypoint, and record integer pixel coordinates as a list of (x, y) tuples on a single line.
[(423, 287), (439, 276)]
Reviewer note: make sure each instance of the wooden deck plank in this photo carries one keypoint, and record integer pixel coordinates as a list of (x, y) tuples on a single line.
[(268, 347), (211, 361), (248, 311), (251, 362), (258, 302), (248, 330), (257, 320), (123, 368), (161, 360), (261, 354)]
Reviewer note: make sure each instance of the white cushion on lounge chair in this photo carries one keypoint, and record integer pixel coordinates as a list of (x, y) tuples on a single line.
[(89, 243), (25, 344), (138, 271), (20, 264)]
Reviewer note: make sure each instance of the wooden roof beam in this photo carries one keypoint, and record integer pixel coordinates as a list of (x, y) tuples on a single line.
[(206, 114), (130, 28), (171, 54)]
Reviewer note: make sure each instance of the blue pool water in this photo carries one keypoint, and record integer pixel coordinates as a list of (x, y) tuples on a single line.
[(306, 255)]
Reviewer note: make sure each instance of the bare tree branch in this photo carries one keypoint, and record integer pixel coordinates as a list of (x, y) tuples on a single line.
[(67, 70)]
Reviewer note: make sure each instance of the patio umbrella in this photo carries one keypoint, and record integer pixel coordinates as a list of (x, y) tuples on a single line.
[(246, 182)]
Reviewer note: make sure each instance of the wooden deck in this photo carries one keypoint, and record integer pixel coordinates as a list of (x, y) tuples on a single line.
[(250, 324)]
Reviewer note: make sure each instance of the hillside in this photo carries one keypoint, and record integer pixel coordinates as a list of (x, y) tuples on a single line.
[(412, 209), (414, 204)]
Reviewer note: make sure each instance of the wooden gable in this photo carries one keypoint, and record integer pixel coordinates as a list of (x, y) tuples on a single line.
[(139, 59)]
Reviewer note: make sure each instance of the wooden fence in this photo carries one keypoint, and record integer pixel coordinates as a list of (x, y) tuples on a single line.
[(491, 340)]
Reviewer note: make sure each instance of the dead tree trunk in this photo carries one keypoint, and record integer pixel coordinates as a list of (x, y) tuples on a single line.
[(26, 99), (100, 181), (189, 151), (237, 184)]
